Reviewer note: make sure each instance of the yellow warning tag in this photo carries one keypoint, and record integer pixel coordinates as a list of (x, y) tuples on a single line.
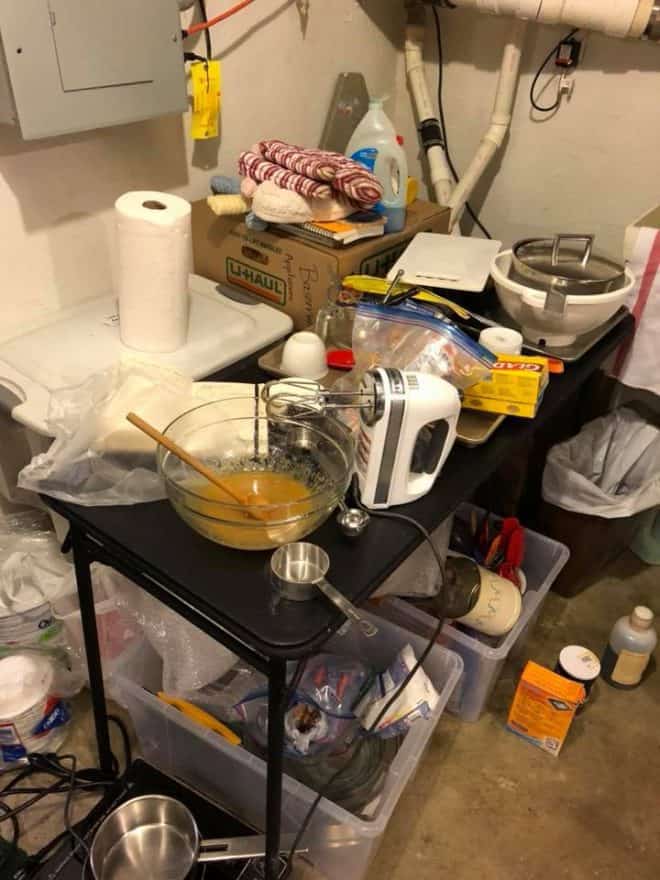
[(206, 82)]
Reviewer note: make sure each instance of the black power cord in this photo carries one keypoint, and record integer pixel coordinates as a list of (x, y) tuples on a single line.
[(398, 691), (443, 124), (68, 780), (532, 89), (207, 31)]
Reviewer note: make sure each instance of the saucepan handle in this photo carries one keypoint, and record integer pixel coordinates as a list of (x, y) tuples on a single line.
[(224, 849)]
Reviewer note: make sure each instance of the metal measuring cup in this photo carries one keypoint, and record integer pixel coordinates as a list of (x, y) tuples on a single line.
[(299, 570)]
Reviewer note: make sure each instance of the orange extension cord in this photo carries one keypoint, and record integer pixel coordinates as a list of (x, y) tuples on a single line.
[(203, 25)]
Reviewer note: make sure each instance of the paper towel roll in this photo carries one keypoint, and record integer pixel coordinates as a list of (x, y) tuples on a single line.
[(154, 261)]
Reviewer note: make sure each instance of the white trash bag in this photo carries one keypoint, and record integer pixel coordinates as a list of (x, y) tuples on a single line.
[(610, 469)]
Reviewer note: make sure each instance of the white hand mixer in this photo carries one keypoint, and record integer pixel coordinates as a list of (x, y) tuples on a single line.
[(407, 428)]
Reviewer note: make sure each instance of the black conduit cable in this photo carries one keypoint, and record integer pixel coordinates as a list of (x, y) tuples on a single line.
[(207, 31), (398, 690), (443, 125)]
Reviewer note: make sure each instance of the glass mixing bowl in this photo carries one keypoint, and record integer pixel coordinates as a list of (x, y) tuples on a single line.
[(290, 472)]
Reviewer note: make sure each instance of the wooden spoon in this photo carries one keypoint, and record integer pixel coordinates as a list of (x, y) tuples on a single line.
[(199, 466)]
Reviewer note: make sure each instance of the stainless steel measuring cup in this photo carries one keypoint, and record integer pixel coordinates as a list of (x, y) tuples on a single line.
[(156, 837), (299, 570)]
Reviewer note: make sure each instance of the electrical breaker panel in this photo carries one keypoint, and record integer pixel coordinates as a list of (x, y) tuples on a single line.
[(71, 66)]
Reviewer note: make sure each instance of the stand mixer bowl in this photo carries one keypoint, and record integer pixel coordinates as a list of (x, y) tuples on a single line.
[(291, 473)]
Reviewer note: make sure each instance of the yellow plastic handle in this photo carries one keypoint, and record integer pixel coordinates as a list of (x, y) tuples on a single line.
[(201, 717), (380, 286)]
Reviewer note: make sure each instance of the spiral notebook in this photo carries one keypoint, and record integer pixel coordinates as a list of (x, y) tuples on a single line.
[(338, 233)]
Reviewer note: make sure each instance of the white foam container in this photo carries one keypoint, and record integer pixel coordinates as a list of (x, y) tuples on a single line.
[(341, 844), (27, 697), (483, 656)]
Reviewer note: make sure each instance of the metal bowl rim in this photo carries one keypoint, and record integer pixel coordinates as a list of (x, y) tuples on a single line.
[(143, 797)]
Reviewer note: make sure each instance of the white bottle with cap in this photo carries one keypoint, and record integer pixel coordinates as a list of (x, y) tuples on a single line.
[(375, 145), (632, 641)]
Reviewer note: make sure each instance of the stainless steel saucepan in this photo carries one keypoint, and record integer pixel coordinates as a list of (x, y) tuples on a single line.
[(156, 837)]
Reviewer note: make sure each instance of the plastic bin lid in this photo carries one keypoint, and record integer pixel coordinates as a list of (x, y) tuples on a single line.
[(225, 326)]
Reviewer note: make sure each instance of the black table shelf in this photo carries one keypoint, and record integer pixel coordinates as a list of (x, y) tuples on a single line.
[(227, 592)]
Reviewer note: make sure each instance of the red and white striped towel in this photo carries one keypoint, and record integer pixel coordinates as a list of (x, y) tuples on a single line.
[(359, 184), (311, 172), (310, 163), (256, 167)]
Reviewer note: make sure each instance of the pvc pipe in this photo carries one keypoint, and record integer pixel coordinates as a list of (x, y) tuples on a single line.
[(499, 123), (429, 126), (617, 18)]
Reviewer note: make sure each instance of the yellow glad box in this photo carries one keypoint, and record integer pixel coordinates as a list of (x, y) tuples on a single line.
[(514, 388), (504, 407), (543, 707)]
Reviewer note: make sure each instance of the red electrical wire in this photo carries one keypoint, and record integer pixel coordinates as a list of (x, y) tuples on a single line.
[(203, 25)]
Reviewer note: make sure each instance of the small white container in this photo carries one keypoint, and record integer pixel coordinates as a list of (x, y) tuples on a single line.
[(501, 340), (33, 718), (304, 355), (498, 607)]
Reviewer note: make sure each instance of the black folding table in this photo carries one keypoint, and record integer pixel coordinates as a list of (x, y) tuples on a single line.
[(227, 593)]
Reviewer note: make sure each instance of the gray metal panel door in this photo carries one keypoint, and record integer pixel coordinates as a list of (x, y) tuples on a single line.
[(76, 65), (103, 43)]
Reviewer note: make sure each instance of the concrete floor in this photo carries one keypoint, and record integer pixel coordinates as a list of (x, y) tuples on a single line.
[(486, 803)]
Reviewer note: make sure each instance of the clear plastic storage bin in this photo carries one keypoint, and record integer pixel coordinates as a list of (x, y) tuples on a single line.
[(341, 844), (484, 656)]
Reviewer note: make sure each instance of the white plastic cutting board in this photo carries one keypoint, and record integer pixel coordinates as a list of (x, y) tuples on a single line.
[(77, 342), (454, 262)]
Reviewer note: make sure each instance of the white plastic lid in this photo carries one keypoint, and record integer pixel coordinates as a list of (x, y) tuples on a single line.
[(25, 680), (579, 662), (642, 617)]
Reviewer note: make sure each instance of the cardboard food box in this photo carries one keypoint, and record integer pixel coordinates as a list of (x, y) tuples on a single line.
[(514, 388), (543, 707), (290, 273)]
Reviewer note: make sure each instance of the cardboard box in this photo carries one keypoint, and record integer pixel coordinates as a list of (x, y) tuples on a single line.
[(543, 707), (514, 388), (290, 273)]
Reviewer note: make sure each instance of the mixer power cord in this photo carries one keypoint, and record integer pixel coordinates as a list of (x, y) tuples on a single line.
[(408, 520), (68, 780)]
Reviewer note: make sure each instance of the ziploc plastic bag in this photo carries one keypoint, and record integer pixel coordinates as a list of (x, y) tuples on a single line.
[(320, 716), (411, 336)]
